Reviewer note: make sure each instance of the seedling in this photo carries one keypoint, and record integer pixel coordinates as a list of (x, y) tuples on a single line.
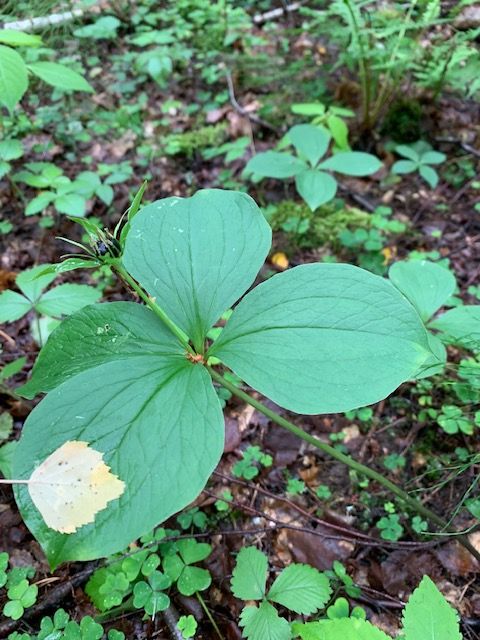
[(248, 467), (420, 157), (331, 117), (312, 181)]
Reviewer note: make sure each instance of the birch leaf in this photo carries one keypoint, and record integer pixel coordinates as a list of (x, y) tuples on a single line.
[(72, 485)]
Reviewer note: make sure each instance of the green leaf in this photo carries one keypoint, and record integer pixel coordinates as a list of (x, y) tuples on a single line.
[(309, 141), (404, 166), (71, 204), (66, 299), (250, 574), (339, 131), (352, 163), (275, 164), (264, 623), (324, 338), (300, 588), (13, 77), (39, 203), (11, 149), (12, 368), (32, 282), (188, 626), (192, 551), (60, 76), (407, 152), (15, 38), (105, 193), (13, 306), (340, 629), (136, 398), (193, 579), (429, 175), (462, 325), (315, 187), (428, 616), (6, 457), (308, 109), (197, 255), (427, 285), (433, 157), (6, 425)]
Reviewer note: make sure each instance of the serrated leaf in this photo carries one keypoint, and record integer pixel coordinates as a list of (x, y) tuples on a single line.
[(340, 629), (300, 588), (72, 485), (60, 76), (250, 574), (71, 204), (13, 77), (428, 616), (309, 141), (275, 164), (323, 338), (264, 623), (11, 149), (197, 255), (315, 187), (125, 375), (427, 285)]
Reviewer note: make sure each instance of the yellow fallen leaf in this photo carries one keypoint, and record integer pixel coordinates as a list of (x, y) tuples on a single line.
[(72, 485), (279, 260)]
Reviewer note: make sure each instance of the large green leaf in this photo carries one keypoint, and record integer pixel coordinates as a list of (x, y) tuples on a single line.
[(324, 338), (60, 76), (310, 141), (197, 255), (15, 38), (427, 285), (461, 325), (13, 77), (428, 616), (352, 163), (316, 187), (154, 415), (107, 332), (275, 164)]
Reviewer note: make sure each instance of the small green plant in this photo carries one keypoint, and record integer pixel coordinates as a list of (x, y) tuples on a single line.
[(419, 157), (14, 71), (452, 420), (54, 303), (312, 181), (10, 149), (331, 117), (19, 592), (390, 527), (188, 626), (299, 588), (252, 458), (67, 196)]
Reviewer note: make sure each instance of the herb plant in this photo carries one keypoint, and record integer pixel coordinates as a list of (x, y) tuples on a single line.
[(419, 157), (14, 71), (312, 181), (137, 380)]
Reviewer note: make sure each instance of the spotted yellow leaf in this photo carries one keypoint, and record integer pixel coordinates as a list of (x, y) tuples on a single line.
[(72, 485)]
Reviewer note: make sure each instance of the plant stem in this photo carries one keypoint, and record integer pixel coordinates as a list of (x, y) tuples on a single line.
[(151, 304), (364, 72), (209, 615), (341, 457)]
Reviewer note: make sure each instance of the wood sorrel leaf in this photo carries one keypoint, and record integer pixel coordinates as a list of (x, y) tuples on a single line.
[(197, 255), (323, 338), (128, 390)]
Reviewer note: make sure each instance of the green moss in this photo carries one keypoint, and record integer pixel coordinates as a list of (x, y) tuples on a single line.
[(403, 120), (189, 142), (319, 228)]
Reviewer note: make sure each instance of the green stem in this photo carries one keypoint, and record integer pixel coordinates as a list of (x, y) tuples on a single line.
[(362, 67), (151, 304), (341, 457), (209, 615)]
